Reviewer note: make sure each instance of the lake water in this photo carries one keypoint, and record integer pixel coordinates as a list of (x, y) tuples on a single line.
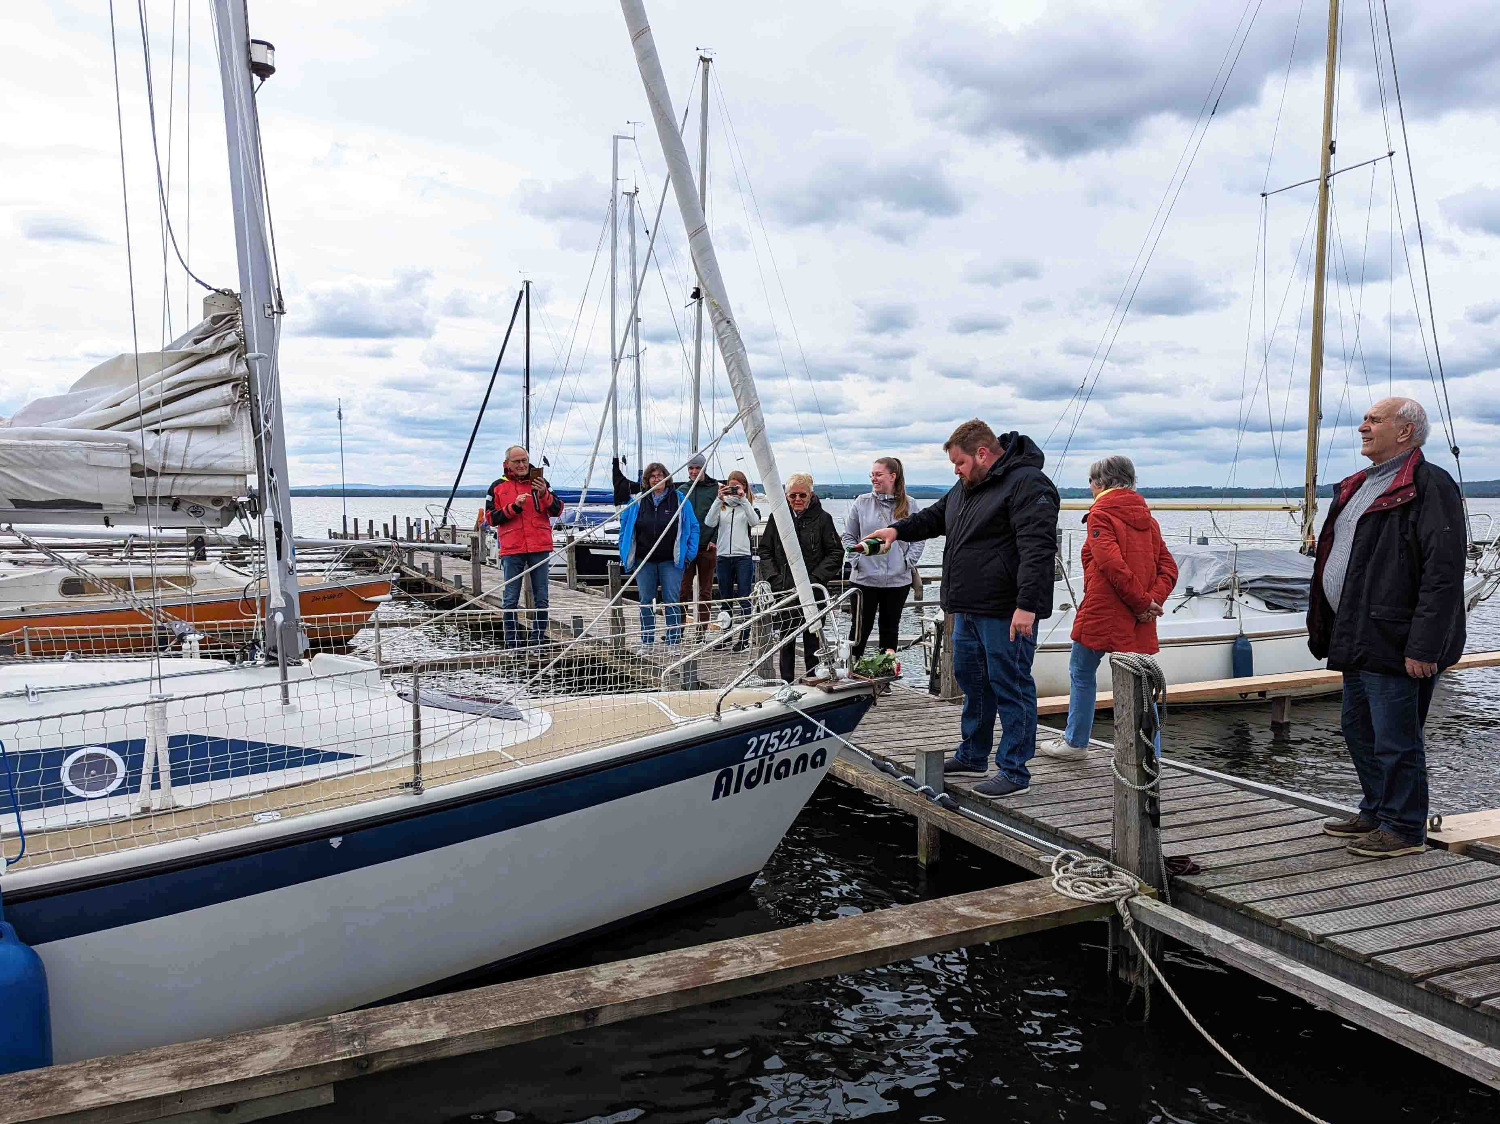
[(1022, 1030)]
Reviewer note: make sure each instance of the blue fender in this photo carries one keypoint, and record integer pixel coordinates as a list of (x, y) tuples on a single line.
[(25, 1017)]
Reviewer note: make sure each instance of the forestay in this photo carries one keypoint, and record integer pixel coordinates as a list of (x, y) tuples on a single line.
[(167, 429)]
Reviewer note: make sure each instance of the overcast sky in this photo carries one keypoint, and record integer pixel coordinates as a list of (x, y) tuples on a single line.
[(923, 212)]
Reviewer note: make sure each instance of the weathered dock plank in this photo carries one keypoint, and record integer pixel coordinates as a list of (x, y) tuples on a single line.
[(224, 1071)]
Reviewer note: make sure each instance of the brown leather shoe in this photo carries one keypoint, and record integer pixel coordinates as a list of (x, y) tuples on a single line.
[(1383, 844), (1349, 828)]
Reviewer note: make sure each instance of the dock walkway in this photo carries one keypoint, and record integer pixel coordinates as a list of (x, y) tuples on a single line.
[(1421, 931)]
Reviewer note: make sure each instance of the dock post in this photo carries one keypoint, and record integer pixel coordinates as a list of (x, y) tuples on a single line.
[(572, 561), (415, 784), (1135, 841), (929, 772), (948, 688), (375, 619), (346, 525), (616, 613), (370, 533), (437, 564), (476, 561), (1281, 716)]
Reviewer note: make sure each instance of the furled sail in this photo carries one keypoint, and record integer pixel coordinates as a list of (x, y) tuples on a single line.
[(161, 437)]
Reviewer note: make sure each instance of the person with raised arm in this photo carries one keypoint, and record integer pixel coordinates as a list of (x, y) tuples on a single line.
[(884, 580), (999, 524)]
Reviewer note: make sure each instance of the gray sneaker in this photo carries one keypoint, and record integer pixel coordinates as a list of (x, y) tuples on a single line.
[(1360, 824), (953, 767), (1061, 750), (1381, 844), (1001, 786)]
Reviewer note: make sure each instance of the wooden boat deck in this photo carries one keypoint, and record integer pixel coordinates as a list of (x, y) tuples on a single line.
[(577, 725), (1422, 931)]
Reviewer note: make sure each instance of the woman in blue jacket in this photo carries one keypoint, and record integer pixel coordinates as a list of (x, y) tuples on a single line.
[(658, 538)]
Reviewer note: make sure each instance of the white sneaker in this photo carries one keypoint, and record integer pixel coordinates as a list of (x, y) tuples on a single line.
[(1060, 749)]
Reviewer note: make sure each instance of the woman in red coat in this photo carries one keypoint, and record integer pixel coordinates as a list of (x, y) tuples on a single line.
[(1127, 575)]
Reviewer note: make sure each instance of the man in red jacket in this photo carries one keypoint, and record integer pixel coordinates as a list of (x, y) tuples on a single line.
[(521, 509), (1127, 575)]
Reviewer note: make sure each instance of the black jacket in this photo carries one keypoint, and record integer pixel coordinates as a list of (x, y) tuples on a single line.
[(1403, 595), (821, 549), (1000, 536), (624, 486)]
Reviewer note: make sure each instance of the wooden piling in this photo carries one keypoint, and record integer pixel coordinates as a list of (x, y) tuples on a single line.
[(1281, 714), (948, 688), (1135, 838), (616, 612), (476, 561), (929, 772), (571, 555)]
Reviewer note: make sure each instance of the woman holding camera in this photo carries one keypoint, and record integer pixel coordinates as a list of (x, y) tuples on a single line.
[(734, 517), (883, 580)]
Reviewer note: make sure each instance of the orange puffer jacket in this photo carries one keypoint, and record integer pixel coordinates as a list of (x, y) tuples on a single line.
[(531, 530), (1126, 566)]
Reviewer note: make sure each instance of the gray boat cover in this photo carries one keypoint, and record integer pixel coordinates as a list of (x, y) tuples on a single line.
[(1282, 578), (157, 427)]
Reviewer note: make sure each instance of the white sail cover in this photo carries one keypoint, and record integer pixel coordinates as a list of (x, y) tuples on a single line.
[(160, 429)]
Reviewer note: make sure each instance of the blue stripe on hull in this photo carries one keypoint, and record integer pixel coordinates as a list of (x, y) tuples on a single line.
[(53, 913)]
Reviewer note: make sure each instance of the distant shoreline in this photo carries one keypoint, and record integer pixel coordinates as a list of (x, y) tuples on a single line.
[(1474, 489)]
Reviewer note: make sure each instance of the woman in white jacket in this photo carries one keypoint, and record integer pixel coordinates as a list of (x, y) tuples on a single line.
[(884, 580), (735, 517)]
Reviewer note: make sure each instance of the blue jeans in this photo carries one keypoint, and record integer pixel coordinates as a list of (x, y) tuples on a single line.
[(511, 565), (660, 582), (735, 576), (1083, 696), (994, 673), (1382, 721)]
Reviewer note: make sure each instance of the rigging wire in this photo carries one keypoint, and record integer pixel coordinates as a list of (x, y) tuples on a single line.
[(1079, 402), (156, 151), (1445, 412), (736, 148), (573, 339)]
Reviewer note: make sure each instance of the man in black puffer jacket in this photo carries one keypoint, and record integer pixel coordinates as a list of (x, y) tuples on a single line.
[(1387, 609), (1000, 527)]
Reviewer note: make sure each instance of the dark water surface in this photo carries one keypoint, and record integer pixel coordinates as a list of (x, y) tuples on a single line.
[(1029, 1029)]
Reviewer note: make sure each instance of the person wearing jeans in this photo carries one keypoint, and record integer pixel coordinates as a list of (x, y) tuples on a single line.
[(999, 528), (1386, 608), (1128, 573), (733, 517), (513, 566), (658, 538), (521, 507), (992, 665)]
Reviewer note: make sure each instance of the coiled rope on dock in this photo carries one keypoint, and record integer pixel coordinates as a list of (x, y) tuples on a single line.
[(1086, 878)]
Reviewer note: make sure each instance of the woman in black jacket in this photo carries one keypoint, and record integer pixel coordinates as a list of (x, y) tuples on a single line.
[(823, 553)]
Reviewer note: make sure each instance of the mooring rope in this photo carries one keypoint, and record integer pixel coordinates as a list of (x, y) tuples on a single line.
[(1075, 875)]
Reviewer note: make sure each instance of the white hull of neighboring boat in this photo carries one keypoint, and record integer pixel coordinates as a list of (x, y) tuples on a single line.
[(210, 934)]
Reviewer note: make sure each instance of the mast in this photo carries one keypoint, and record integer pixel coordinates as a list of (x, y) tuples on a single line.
[(635, 335), (526, 375), (1320, 282), (614, 282), (260, 310), (704, 59), (731, 346)]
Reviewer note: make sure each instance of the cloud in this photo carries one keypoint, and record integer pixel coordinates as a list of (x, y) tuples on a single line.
[(1483, 313), (49, 226), (883, 194), (1174, 291), (887, 318), (1085, 78), (1002, 272), (975, 324), (365, 310), (584, 198), (1476, 210)]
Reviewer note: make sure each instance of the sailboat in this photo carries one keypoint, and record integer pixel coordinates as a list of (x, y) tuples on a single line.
[(1226, 592), (195, 847)]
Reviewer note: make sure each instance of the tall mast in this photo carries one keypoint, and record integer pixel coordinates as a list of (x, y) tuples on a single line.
[(614, 281), (635, 334), (526, 375), (704, 60), (731, 346), (260, 310), (1320, 282)]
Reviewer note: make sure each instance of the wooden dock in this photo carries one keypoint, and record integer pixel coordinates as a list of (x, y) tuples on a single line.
[(1418, 936)]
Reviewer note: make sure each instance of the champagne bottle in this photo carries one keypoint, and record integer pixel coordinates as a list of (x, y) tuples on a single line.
[(869, 547)]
